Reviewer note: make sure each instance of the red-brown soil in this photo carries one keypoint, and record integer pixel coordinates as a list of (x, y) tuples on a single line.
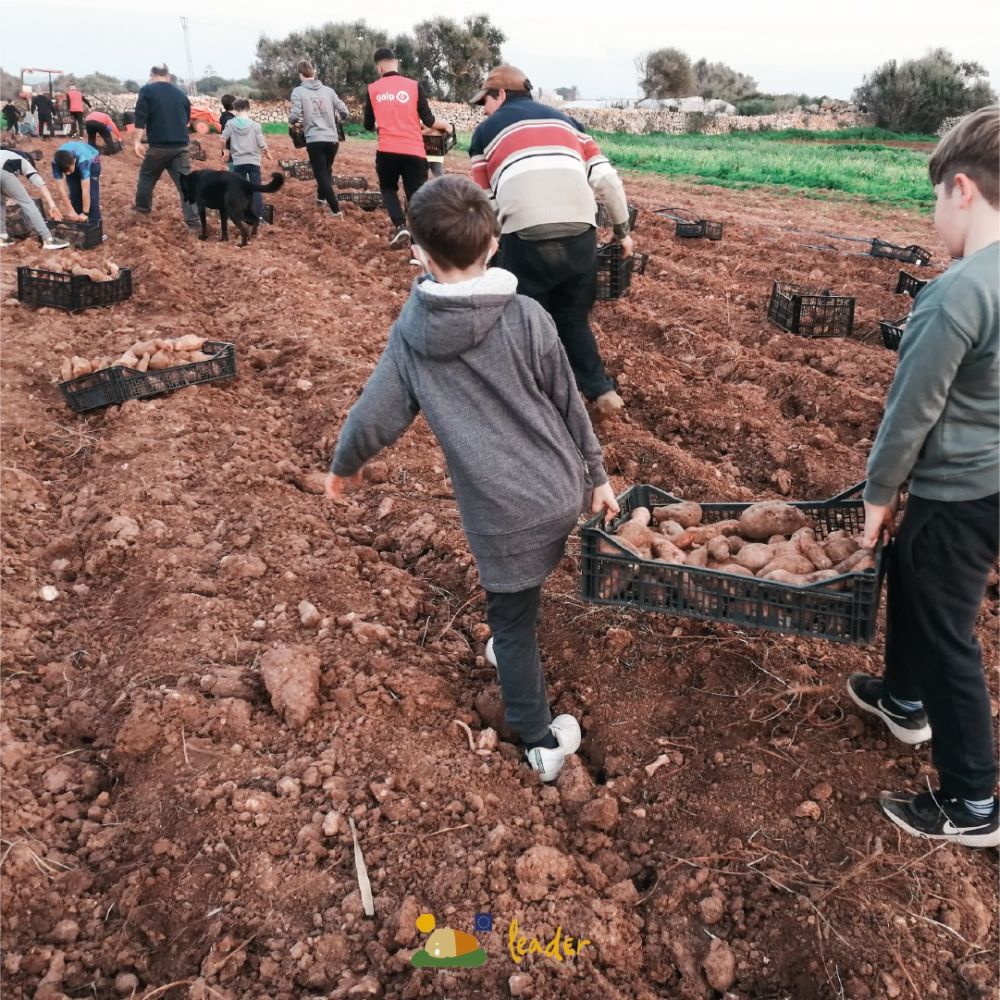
[(163, 825)]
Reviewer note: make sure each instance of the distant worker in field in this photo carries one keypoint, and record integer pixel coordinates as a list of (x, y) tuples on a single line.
[(76, 169), (162, 113), (542, 171), (941, 432), (10, 117), (397, 108), (100, 124), (13, 169), (78, 105), (43, 106), (317, 108)]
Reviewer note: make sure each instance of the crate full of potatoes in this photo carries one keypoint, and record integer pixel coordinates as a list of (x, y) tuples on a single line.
[(797, 568)]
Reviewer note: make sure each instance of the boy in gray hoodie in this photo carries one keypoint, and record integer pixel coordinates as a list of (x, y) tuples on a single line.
[(319, 109), (245, 140), (487, 369)]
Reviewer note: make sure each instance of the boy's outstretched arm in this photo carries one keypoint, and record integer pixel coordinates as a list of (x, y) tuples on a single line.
[(384, 411)]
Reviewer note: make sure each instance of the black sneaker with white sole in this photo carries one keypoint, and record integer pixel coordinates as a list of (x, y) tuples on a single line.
[(868, 693), (400, 238), (931, 815)]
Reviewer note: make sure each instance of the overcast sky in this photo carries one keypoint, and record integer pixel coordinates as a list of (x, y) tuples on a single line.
[(786, 46)]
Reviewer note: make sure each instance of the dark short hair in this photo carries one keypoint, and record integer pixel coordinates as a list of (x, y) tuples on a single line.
[(159, 70), (242, 104), (306, 68), (63, 160), (452, 219), (972, 148), (384, 55), (227, 101)]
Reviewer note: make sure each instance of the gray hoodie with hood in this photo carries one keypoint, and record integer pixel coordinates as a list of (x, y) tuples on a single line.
[(246, 140), (317, 107), (488, 371)]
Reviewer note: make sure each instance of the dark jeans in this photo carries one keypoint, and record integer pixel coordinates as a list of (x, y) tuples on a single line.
[(321, 156), (74, 185), (43, 121), (173, 159), (937, 574), (252, 173), (391, 168), (77, 123), (108, 142), (513, 619), (561, 276)]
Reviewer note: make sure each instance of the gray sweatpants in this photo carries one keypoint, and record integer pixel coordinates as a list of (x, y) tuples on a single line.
[(11, 187), (513, 620)]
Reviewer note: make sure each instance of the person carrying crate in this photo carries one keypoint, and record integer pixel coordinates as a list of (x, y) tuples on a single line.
[(941, 429), (485, 367)]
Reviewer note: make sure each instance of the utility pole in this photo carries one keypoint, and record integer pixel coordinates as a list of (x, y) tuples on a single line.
[(191, 88)]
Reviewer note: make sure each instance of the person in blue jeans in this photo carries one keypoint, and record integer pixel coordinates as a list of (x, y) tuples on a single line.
[(76, 169), (244, 139)]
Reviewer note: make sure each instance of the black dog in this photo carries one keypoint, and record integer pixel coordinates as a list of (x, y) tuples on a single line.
[(230, 194)]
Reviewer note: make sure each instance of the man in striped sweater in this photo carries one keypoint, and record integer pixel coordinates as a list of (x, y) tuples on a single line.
[(542, 171)]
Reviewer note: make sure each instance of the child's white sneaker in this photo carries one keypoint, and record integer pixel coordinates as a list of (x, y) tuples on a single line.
[(548, 763), (491, 657)]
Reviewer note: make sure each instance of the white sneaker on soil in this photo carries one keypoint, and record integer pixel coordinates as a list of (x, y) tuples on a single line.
[(491, 657), (548, 763), (54, 244), (5, 240)]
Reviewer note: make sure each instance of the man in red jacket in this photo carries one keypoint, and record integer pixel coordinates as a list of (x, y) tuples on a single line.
[(76, 103), (396, 106)]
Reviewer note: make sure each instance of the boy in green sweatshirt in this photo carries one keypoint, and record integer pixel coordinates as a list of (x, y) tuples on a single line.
[(941, 429)]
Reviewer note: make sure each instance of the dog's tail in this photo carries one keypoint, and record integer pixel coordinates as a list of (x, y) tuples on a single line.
[(277, 180)]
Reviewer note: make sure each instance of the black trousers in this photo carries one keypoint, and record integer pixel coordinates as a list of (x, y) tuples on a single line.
[(561, 276), (513, 620), (78, 124), (321, 156), (936, 579), (391, 168), (45, 121), (108, 141)]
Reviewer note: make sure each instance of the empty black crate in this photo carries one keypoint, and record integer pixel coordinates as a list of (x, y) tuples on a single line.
[(301, 170), (811, 312), (195, 150), (844, 609), (906, 255), (80, 235), (892, 332), (614, 272), (361, 183), (118, 384), (367, 200), (604, 220), (72, 292), (909, 285), (437, 144)]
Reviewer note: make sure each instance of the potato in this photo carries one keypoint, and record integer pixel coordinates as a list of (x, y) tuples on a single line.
[(200, 356), (771, 517), (797, 565), (161, 360), (143, 364), (80, 366), (754, 556), (671, 529), (718, 549), (666, 551), (189, 342), (703, 533), (141, 347), (783, 576), (685, 513), (698, 556), (66, 371), (734, 568), (857, 562), (811, 549), (128, 359), (822, 575), (736, 543), (838, 549)]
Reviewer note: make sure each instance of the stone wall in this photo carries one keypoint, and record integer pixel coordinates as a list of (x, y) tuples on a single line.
[(632, 120)]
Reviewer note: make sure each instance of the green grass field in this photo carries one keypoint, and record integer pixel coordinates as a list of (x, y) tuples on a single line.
[(851, 163)]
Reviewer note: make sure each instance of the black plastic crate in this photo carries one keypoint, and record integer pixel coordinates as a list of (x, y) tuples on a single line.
[(118, 383), (690, 226), (366, 200), (604, 220), (892, 332), (908, 284), (301, 170), (811, 312), (358, 183), (614, 272), (195, 151), (844, 609), (905, 255), (72, 292), (438, 144), (79, 235)]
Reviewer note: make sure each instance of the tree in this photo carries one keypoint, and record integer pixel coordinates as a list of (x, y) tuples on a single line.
[(212, 83), (665, 73), (341, 53), (131, 86), (453, 58), (718, 80), (917, 95)]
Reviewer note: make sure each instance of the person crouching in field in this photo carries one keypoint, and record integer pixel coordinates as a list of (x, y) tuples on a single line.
[(942, 430), (244, 139), (76, 169), (486, 368), (14, 165), (97, 123)]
